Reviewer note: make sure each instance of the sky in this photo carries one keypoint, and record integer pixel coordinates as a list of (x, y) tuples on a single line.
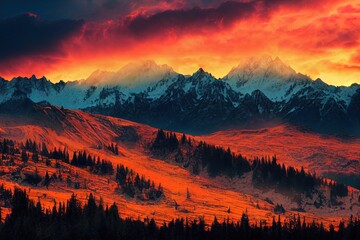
[(69, 39)]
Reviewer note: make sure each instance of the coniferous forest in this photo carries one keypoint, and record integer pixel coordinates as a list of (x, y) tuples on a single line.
[(216, 161), (93, 220), (180, 119)]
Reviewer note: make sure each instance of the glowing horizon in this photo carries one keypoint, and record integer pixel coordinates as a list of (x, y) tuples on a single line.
[(315, 38)]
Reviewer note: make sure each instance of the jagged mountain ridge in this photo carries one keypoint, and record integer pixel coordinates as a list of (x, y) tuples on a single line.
[(258, 91)]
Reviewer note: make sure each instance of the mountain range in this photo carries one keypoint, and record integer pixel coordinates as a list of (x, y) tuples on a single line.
[(257, 92)]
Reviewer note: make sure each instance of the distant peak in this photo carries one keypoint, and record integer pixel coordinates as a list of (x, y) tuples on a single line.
[(34, 78), (263, 58), (145, 65), (96, 77), (200, 70), (200, 73), (320, 83), (132, 74), (263, 65), (278, 60), (262, 61)]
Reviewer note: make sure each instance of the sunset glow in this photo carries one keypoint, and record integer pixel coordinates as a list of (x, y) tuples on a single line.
[(317, 38)]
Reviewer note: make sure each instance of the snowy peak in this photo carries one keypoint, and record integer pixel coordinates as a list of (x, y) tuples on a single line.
[(148, 66), (97, 77), (133, 75), (279, 67), (274, 78), (200, 74), (258, 89), (320, 84), (199, 71), (260, 70), (143, 73)]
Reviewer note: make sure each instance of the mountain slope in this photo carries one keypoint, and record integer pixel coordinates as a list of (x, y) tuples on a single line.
[(210, 197), (322, 154)]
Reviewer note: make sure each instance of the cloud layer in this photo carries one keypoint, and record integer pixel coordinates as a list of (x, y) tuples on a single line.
[(316, 38), (27, 34)]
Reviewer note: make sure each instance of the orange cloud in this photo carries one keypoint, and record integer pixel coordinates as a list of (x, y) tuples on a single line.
[(311, 36)]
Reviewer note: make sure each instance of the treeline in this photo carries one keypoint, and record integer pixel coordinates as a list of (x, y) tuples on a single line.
[(269, 172), (113, 148), (220, 161), (338, 189), (58, 154), (38, 149), (93, 220), (165, 142), (7, 147), (216, 160), (5, 196), (132, 184), (97, 166), (35, 147), (79, 159)]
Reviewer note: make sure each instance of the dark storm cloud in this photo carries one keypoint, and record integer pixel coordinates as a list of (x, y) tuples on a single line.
[(91, 9), (60, 9), (111, 9), (199, 19), (192, 19), (27, 34)]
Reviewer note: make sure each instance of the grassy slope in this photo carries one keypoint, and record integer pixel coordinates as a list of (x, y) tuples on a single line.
[(209, 197)]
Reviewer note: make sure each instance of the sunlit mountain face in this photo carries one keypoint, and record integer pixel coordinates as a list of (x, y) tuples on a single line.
[(178, 119)]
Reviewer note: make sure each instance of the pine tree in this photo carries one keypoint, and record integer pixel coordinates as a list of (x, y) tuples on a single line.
[(183, 139), (114, 213), (188, 193), (68, 181), (47, 180), (35, 157), (24, 156), (74, 160), (116, 149), (28, 220)]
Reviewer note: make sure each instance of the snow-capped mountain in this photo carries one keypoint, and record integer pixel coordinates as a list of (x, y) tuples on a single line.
[(278, 81), (257, 91), (135, 76), (271, 76)]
